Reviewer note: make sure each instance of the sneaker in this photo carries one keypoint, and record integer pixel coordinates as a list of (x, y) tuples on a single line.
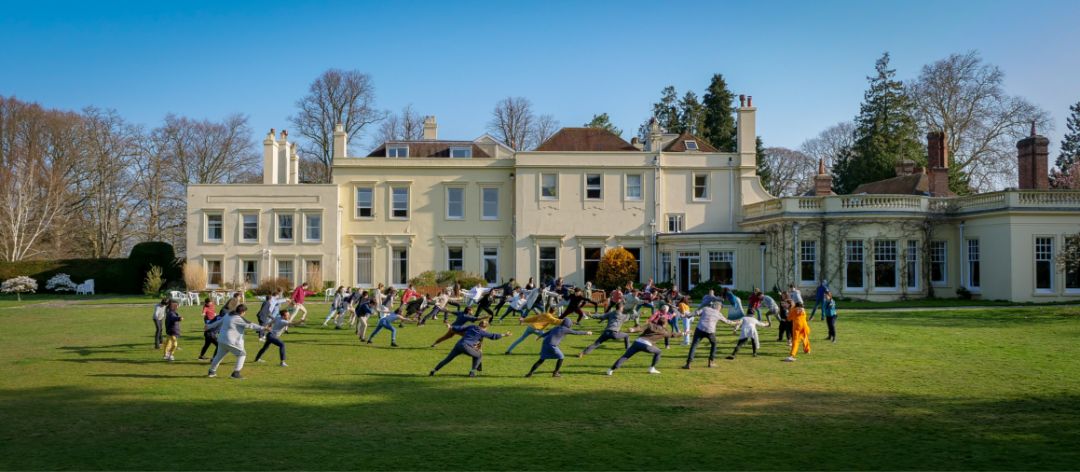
[(431, 374), (369, 341), (261, 339), (211, 374), (201, 358), (337, 327), (528, 375), (713, 363), (171, 358), (789, 359), (393, 345), (472, 373), (236, 375), (686, 366), (283, 364), (581, 355), (556, 374), (610, 372), (260, 360), (652, 370)]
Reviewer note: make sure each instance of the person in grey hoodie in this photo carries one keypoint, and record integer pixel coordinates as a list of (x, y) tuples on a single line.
[(612, 330), (706, 329), (550, 347), (159, 322), (231, 329)]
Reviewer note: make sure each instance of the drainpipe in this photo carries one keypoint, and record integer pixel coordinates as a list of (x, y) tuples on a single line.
[(656, 213), (337, 248), (762, 247), (962, 251), (795, 255), (731, 195)]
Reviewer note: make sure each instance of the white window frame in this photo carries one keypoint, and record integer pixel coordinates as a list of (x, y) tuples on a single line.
[(484, 256), (220, 228), (356, 202), (483, 201), (369, 260), (721, 256), (665, 269), (278, 227), (541, 187), (803, 244), (243, 224), (1038, 252), (599, 187), (690, 145), (460, 259), (244, 272), (308, 226), (911, 264), (679, 218), (292, 269), (210, 274), (693, 187), (882, 247), (450, 217), (467, 150), (969, 261), (408, 202), (396, 151), (640, 187), (944, 246), (849, 249)]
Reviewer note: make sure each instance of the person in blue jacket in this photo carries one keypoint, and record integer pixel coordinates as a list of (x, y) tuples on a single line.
[(471, 336), (819, 299), (550, 347)]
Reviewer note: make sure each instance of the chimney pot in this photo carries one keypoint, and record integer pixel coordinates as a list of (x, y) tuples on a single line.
[(742, 101), (749, 101)]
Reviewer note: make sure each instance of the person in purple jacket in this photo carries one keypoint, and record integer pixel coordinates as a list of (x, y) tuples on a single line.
[(550, 348), (471, 336)]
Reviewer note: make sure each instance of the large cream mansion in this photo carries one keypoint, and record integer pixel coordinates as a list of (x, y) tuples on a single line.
[(687, 212)]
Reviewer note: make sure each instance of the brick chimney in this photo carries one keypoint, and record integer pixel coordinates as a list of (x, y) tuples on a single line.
[(822, 181), (938, 164), (431, 129), (1032, 154)]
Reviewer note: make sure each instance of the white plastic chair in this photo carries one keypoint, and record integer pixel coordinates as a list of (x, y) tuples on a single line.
[(218, 297), (193, 297), (85, 288), (181, 298), (328, 295)]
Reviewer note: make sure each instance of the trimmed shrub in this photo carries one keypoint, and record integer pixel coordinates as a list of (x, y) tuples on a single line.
[(154, 253), (617, 267), (447, 278)]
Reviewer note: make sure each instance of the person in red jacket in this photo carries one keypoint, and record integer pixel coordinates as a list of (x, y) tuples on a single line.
[(298, 297)]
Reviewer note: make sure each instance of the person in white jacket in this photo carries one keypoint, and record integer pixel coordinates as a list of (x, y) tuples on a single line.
[(231, 328)]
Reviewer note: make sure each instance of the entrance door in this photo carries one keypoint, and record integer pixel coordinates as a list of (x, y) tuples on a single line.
[(689, 270)]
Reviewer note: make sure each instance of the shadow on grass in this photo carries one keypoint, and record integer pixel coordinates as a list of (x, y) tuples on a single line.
[(967, 318), (399, 421)]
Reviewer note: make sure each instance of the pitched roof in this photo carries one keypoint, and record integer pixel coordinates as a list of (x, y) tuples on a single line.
[(679, 144), (585, 139), (429, 148), (912, 184)]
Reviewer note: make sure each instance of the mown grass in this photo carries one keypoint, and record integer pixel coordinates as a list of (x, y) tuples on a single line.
[(82, 388)]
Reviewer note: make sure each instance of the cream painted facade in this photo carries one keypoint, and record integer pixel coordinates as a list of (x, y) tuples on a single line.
[(689, 216)]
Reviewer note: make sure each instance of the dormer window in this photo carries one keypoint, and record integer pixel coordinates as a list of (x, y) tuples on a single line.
[(690, 145), (397, 151), (461, 152)]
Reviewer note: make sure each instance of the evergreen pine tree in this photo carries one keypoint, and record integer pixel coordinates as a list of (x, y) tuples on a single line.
[(666, 110), (718, 126), (691, 114), (602, 121), (885, 132), (1068, 161), (764, 172)]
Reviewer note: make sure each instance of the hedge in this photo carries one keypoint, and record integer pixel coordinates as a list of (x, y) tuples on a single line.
[(110, 275)]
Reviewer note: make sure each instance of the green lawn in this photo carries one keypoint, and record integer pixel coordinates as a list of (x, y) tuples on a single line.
[(975, 389)]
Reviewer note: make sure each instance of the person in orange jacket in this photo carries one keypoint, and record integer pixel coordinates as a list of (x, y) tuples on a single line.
[(800, 330)]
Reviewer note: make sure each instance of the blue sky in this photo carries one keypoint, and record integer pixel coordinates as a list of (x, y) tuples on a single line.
[(805, 62)]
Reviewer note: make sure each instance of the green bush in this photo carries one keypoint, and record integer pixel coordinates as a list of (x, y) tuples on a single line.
[(268, 286), (153, 282), (447, 278)]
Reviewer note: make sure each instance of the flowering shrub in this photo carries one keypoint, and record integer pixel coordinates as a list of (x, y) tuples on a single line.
[(60, 283), (617, 267), (19, 285)]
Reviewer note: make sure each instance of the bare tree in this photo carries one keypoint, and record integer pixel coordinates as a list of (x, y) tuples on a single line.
[(546, 125), (406, 126), (513, 122), (336, 96), (830, 144), (964, 97), (39, 156), (204, 151), (107, 182), (792, 171)]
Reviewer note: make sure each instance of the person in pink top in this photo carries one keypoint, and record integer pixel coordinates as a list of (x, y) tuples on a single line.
[(409, 294), (298, 297)]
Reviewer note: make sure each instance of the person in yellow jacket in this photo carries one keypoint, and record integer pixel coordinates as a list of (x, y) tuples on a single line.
[(535, 325), (800, 330)]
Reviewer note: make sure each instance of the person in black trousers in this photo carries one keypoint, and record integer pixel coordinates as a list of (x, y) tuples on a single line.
[(506, 292), (785, 325), (159, 322), (484, 305), (574, 304)]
